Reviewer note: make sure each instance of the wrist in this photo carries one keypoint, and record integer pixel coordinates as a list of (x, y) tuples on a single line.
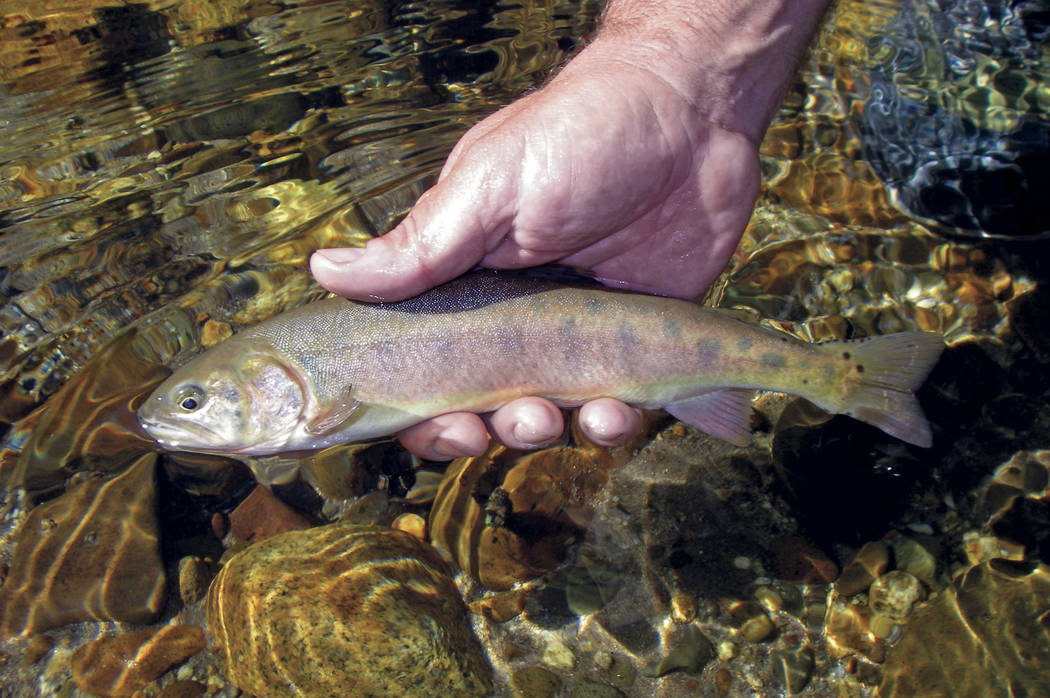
[(733, 60)]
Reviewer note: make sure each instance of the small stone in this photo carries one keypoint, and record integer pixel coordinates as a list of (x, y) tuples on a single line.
[(723, 681), (584, 688), (870, 561), (412, 524), (603, 660), (796, 668), (621, 672), (262, 515), (757, 629), (39, 645), (769, 598), (122, 664), (194, 577), (742, 562), (215, 331), (535, 682), (501, 606), (557, 655), (91, 553), (726, 650), (220, 525), (916, 558), (797, 560), (683, 607), (344, 609), (882, 626), (183, 689), (691, 652), (893, 594)]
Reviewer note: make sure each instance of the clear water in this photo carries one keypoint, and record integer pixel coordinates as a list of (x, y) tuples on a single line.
[(167, 168)]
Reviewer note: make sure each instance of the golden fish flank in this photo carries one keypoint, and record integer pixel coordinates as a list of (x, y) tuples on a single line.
[(337, 371)]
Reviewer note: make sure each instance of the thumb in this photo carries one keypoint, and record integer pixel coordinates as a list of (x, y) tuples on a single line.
[(436, 242)]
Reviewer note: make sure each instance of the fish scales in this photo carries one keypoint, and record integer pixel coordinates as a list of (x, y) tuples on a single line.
[(351, 371)]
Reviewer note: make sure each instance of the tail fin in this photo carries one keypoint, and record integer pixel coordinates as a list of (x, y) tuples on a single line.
[(890, 369)]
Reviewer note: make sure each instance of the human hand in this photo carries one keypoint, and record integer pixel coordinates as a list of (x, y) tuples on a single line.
[(618, 166)]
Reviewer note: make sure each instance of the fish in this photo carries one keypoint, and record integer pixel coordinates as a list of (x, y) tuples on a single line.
[(336, 371)]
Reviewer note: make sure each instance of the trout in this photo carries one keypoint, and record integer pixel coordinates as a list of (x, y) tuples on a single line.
[(337, 371)]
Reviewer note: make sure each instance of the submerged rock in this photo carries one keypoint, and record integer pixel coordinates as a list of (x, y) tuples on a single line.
[(123, 664), (344, 610), (986, 633), (89, 554)]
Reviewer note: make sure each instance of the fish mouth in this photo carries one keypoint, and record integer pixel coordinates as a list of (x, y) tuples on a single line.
[(182, 438)]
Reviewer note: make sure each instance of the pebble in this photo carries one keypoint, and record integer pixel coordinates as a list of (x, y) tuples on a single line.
[(893, 594), (262, 515), (39, 645), (344, 609), (183, 689), (194, 576), (584, 688), (797, 560), (122, 664), (870, 561), (683, 607), (412, 524), (796, 668), (757, 629), (91, 553), (691, 651), (535, 682), (557, 655)]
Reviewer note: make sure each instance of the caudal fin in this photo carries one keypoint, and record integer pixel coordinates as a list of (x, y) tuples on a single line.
[(890, 369)]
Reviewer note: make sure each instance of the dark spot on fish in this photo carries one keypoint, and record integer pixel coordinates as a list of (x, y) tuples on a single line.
[(627, 338), (744, 343), (594, 306), (708, 350), (845, 355), (860, 369), (805, 381), (672, 328), (774, 360)]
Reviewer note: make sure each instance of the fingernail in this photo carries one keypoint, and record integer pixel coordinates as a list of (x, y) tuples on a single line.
[(340, 255), (527, 436)]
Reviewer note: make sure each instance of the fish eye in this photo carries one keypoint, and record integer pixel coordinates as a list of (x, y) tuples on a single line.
[(190, 398)]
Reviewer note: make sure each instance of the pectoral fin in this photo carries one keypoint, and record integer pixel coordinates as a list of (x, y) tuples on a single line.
[(336, 415), (723, 413)]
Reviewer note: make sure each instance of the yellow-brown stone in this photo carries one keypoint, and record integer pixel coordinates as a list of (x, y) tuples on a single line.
[(987, 634), (505, 516), (123, 664), (344, 609), (90, 554)]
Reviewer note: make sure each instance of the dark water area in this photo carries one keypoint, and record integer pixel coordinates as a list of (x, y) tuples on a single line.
[(166, 169)]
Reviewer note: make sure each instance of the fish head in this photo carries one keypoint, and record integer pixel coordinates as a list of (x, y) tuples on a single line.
[(231, 399)]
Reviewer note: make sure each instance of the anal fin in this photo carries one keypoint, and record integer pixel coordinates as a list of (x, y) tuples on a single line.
[(724, 413)]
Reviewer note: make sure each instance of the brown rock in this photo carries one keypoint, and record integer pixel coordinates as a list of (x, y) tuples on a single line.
[(39, 645), (194, 576), (183, 689), (122, 664), (871, 560), (89, 554), (344, 609), (262, 515), (90, 423), (797, 560), (986, 635), (505, 516)]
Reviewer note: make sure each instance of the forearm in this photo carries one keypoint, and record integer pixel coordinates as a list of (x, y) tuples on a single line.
[(733, 58)]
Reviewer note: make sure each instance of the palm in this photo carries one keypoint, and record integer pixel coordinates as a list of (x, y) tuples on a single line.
[(606, 169)]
